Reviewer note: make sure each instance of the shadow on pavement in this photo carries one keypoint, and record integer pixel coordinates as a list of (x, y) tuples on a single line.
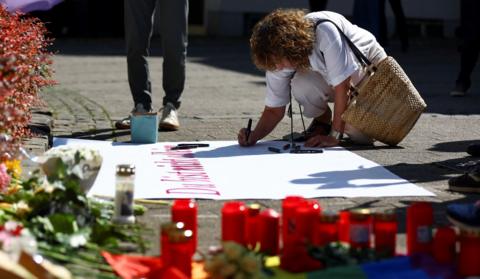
[(101, 134), (453, 146), (345, 177)]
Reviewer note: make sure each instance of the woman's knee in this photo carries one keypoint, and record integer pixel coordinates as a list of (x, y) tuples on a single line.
[(311, 91)]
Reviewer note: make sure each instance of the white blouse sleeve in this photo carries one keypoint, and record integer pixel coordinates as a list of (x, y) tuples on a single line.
[(340, 62), (278, 87)]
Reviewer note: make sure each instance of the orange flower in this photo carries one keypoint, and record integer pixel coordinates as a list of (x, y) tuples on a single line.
[(14, 168)]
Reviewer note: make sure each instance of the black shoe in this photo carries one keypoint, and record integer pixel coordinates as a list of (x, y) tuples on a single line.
[(474, 149), (466, 183), (459, 91), (465, 216), (124, 123)]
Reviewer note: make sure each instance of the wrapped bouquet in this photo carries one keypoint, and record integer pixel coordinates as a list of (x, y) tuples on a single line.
[(78, 162)]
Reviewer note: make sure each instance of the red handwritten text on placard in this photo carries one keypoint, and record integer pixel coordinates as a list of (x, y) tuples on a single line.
[(182, 172)]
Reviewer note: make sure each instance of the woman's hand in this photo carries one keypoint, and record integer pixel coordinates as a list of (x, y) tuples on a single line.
[(321, 141), (267, 122), (242, 138)]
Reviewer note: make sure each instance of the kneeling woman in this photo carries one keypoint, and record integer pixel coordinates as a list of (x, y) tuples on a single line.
[(311, 60)]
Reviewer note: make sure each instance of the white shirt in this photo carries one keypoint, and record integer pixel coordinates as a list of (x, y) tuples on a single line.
[(337, 62)]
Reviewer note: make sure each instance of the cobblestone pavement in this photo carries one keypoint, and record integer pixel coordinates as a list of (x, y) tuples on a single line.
[(223, 90)]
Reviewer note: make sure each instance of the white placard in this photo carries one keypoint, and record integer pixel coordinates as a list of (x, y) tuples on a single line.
[(224, 170)]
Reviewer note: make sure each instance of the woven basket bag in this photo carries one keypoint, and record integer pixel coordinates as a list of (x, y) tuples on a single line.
[(384, 105)]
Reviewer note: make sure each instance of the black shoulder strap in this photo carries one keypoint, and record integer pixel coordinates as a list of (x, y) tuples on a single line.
[(362, 58)]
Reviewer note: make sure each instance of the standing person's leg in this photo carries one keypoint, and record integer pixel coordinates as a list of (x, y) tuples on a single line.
[(468, 59), (317, 5), (382, 24), (361, 14), (367, 14), (400, 23), (138, 19), (173, 26), (138, 31), (469, 46)]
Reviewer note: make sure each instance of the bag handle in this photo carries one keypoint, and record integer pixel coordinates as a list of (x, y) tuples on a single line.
[(367, 64), (360, 56)]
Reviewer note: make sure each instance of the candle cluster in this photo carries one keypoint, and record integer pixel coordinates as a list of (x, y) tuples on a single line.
[(249, 226), (443, 245), (303, 224)]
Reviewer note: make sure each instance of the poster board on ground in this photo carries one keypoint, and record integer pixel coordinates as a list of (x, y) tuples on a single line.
[(225, 170)]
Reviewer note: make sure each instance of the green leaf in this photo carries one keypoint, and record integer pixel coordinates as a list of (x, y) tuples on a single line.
[(63, 223), (45, 224)]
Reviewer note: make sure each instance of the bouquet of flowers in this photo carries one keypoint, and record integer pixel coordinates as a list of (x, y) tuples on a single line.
[(14, 238), (75, 162), (68, 227)]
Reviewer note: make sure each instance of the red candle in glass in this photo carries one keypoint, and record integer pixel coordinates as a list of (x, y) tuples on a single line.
[(165, 230), (419, 228), (251, 225), (385, 229), (468, 259), (181, 251), (360, 228), (289, 207), (306, 215), (326, 229), (344, 226), (444, 245), (269, 233), (185, 211), (233, 221)]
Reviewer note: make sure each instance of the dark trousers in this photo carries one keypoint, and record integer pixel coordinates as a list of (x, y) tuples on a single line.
[(370, 14), (317, 5), (367, 14), (469, 41), (138, 32), (400, 23)]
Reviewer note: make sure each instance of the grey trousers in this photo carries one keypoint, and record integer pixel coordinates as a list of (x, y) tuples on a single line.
[(173, 18)]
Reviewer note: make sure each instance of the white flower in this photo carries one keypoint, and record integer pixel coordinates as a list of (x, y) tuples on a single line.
[(81, 161), (11, 226), (67, 153), (28, 242), (77, 171), (77, 240)]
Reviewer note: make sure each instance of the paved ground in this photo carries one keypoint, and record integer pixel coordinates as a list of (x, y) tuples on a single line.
[(223, 90)]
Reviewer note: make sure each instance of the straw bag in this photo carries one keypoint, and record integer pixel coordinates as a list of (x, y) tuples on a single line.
[(384, 105)]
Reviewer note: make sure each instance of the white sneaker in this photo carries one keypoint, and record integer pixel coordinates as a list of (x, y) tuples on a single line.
[(169, 120)]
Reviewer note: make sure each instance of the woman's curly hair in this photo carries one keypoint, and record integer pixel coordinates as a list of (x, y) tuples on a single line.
[(284, 33)]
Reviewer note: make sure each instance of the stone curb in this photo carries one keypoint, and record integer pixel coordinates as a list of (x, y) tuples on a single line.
[(41, 126)]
